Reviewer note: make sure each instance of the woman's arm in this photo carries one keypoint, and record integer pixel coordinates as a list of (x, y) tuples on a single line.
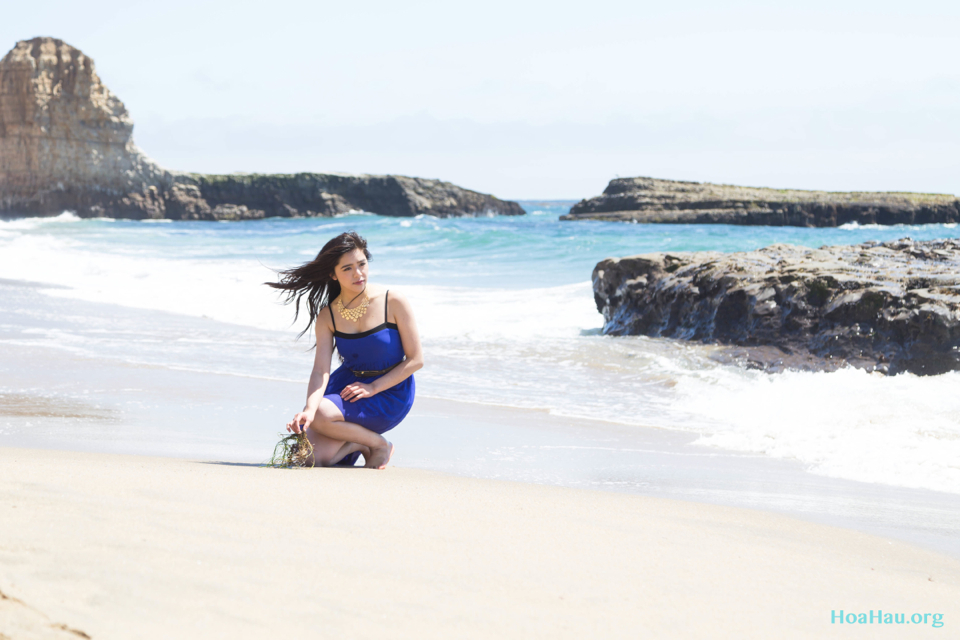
[(318, 377), (410, 338)]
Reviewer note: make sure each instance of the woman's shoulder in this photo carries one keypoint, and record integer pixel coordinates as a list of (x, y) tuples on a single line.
[(324, 317), (397, 296), (399, 306)]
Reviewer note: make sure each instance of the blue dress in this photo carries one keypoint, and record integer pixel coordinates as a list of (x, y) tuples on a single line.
[(368, 352)]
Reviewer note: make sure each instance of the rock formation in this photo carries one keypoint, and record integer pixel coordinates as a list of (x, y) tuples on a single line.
[(66, 143), (671, 201), (890, 307)]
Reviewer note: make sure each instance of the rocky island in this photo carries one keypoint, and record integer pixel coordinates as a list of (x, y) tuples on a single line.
[(66, 144), (672, 201), (889, 307)]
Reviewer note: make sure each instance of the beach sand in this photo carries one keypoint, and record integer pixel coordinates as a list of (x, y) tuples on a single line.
[(120, 546)]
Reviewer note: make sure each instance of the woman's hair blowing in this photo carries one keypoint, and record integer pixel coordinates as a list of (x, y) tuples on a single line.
[(314, 280)]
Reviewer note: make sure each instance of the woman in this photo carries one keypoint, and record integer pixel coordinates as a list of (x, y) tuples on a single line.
[(376, 337)]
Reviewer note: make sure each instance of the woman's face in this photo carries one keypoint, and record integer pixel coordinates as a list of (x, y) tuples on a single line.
[(351, 272)]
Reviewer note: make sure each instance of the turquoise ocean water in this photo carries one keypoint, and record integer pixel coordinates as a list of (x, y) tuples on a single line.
[(507, 317)]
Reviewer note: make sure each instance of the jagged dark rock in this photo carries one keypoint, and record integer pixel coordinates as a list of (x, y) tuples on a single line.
[(66, 143), (890, 307), (672, 201)]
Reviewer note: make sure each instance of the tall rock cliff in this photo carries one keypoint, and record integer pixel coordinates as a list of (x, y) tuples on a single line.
[(673, 201), (65, 140), (66, 143)]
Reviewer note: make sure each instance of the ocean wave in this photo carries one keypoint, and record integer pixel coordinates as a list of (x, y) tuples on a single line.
[(232, 290), (856, 226), (353, 212), (534, 347), (25, 224), (901, 430), (851, 424)]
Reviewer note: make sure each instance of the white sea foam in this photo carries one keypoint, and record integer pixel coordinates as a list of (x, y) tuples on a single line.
[(856, 226), (26, 224), (226, 290), (850, 423), (471, 314), (233, 291)]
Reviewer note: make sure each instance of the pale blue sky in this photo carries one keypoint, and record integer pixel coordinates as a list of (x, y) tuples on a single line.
[(534, 100)]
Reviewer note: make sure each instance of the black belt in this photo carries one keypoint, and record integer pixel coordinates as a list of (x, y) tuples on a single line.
[(373, 374)]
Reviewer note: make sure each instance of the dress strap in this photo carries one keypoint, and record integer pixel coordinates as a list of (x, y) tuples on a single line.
[(330, 309), (386, 301)]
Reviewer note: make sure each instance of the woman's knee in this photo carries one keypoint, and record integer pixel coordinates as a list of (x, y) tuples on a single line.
[(327, 413), (324, 448)]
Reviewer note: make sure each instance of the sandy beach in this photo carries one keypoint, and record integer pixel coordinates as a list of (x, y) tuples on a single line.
[(493, 521), (116, 546)]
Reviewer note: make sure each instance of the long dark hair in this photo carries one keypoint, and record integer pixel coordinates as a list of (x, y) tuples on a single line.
[(313, 279)]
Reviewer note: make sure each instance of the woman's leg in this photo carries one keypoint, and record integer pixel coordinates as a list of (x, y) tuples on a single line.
[(339, 438), (328, 452)]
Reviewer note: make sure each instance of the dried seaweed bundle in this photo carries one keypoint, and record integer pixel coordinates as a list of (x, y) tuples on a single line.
[(293, 450)]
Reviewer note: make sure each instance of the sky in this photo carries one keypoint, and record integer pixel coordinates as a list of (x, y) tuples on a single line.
[(534, 100)]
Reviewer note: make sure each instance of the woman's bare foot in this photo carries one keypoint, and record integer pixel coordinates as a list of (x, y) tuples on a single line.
[(380, 456)]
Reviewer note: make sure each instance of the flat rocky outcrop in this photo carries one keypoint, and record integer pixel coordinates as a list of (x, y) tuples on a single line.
[(889, 307), (672, 201), (66, 143)]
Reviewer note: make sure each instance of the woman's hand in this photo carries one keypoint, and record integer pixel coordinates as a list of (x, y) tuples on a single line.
[(357, 390), (300, 422)]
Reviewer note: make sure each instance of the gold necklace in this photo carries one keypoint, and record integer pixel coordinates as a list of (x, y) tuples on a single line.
[(353, 315)]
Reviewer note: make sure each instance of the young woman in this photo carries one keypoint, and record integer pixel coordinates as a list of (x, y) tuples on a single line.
[(376, 337)]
